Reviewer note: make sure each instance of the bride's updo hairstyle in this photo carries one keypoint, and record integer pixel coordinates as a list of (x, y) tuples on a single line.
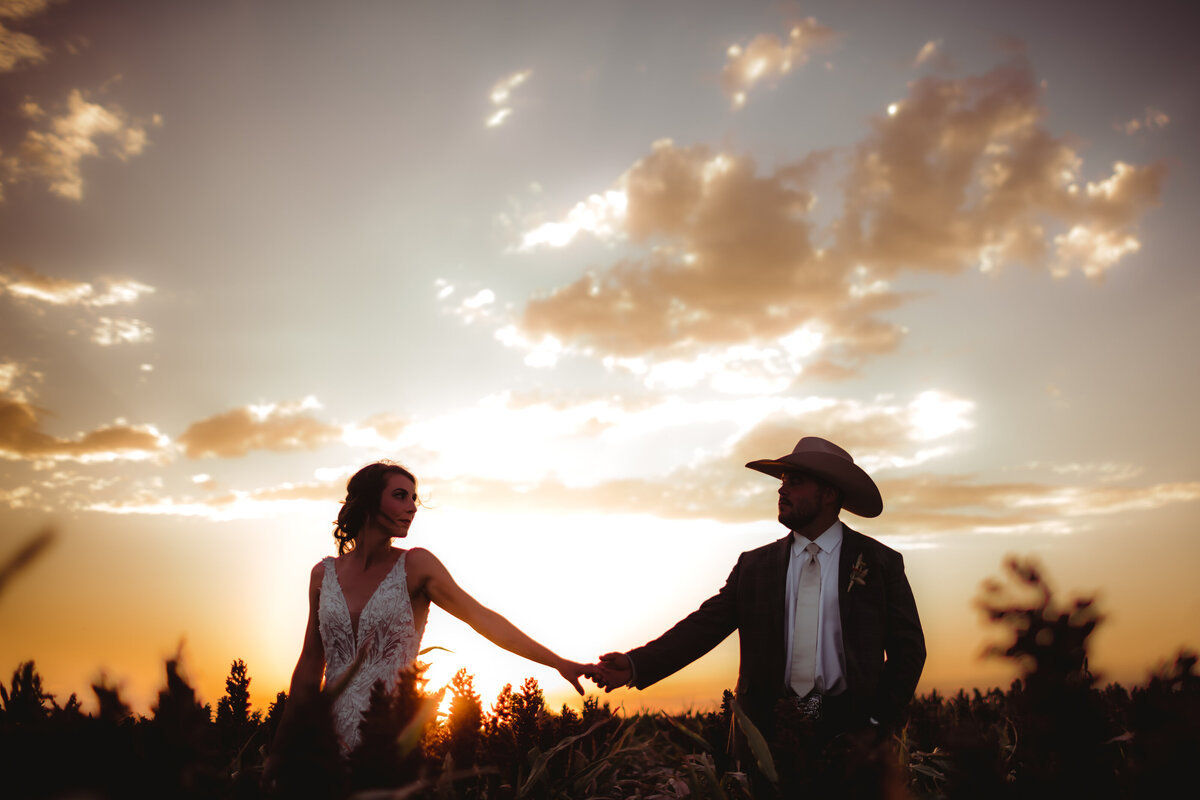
[(363, 492)]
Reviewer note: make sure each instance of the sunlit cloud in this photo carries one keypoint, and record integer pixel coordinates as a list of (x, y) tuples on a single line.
[(1105, 472), (497, 117), (933, 54), (527, 436), (590, 455), (766, 58), (476, 305), (539, 354), (514, 451), (501, 94), (22, 439), (25, 283), (16, 48), (471, 304), (56, 154), (22, 282), (758, 368), (18, 382), (730, 276), (503, 88), (120, 330), (277, 427), (602, 215), (380, 432), (927, 52), (19, 48), (728, 261), (713, 484), (955, 503), (239, 504), (1152, 119)]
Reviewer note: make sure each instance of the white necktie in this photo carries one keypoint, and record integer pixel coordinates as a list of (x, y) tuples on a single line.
[(804, 634)]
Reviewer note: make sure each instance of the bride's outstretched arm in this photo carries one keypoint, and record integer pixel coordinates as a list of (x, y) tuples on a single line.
[(437, 584)]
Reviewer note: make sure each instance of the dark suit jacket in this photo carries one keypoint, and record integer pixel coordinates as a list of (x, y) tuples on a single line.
[(881, 632)]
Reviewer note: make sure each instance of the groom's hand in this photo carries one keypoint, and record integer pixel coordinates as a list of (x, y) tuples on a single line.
[(615, 671)]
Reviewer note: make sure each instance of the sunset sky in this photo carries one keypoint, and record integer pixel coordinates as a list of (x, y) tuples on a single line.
[(575, 264)]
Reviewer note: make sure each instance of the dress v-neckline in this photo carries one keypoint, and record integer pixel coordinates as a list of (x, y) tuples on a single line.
[(346, 604)]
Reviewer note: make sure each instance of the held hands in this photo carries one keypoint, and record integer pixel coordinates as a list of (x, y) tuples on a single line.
[(572, 671), (613, 672)]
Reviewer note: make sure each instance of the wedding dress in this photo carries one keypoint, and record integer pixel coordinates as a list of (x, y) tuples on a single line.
[(386, 630)]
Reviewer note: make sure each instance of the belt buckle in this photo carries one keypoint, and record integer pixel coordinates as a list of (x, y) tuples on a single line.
[(809, 706)]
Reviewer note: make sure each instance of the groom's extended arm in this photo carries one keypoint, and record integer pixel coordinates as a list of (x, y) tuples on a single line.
[(690, 638)]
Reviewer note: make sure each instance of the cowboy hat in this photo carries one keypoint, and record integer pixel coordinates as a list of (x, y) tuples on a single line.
[(826, 461)]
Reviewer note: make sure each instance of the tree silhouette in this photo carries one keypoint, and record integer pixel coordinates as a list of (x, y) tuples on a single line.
[(25, 702), (464, 725), (235, 722)]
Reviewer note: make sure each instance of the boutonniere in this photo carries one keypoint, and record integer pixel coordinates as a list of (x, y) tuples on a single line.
[(858, 574)]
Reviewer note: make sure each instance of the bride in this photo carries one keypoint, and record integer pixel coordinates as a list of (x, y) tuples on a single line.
[(374, 598)]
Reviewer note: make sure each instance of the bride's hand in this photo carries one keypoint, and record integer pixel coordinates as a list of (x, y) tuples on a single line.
[(572, 671)]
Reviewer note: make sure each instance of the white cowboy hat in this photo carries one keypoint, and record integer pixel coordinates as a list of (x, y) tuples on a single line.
[(825, 460)]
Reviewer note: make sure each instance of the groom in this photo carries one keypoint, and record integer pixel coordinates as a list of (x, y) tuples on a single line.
[(827, 621)]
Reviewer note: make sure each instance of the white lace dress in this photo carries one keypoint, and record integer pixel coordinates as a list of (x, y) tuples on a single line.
[(386, 630)]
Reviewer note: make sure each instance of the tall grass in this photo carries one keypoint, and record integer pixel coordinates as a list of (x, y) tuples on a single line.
[(1054, 732)]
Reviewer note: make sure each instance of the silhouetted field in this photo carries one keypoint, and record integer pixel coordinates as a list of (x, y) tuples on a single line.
[(1054, 733)]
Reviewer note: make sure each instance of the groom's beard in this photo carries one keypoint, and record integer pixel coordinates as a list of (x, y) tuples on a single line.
[(795, 517)]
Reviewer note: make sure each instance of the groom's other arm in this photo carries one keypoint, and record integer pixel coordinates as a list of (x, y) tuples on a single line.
[(904, 643)]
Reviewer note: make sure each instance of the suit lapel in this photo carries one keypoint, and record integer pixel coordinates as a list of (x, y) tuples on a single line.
[(776, 599)]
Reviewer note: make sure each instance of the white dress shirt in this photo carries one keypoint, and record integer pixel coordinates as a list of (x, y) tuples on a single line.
[(831, 660)]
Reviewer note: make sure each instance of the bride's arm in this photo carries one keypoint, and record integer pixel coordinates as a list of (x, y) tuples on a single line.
[(432, 578), (306, 678)]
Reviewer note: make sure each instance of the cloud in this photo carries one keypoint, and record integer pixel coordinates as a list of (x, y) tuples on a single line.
[(602, 215), (722, 489), (234, 505), (111, 331), (724, 269), (17, 382), (17, 48), (581, 441), (766, 58), (606, 454), (932, 504), (276, 427), (729, 262), (56, 154), (961, 173), (1152, 120), (1105, 472), (21, 439), (934, 55), (23, 282), (501, 94)]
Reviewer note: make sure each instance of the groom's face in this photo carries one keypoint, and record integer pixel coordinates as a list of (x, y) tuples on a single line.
[(802, 500)]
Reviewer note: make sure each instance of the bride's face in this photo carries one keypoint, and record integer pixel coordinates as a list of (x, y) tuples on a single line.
[(397, 506)]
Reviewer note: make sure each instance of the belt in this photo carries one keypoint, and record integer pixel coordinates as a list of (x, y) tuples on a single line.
[(815, 706)]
